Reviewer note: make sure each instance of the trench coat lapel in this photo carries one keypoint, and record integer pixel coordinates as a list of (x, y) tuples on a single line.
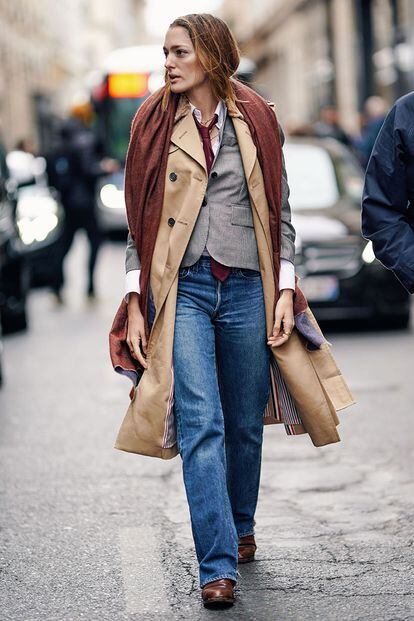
[(186, 136)]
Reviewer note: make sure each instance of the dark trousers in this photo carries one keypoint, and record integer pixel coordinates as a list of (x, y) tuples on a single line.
[(75, 220)]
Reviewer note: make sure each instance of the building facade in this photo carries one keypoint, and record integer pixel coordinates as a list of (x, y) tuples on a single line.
[(47, 49), (316, 52)]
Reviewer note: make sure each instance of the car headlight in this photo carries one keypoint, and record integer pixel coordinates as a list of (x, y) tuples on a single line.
[(111, 197), (368, 253), (36, 229), (36, 217)]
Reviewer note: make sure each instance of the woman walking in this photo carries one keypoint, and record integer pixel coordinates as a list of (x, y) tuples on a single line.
[(211, 296)]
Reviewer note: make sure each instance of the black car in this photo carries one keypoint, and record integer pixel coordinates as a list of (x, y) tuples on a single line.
[(337, 268), (14, 269), (31, 226), (39, 216)]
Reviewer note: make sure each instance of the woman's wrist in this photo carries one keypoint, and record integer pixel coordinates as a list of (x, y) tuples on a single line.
[(133, 303)]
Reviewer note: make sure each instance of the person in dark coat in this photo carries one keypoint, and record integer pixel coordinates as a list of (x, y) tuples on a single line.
[(375, 111), (388, 197), (329, 126), (73, 168)]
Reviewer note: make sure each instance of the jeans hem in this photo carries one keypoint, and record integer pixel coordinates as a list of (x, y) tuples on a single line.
[(249, 532), (230, 576)]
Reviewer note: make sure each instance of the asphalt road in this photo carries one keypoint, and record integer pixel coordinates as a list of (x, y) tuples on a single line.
[(88, 532)]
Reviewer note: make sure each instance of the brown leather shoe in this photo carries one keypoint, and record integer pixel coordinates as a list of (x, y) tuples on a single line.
[(218, 593), (247, 548)]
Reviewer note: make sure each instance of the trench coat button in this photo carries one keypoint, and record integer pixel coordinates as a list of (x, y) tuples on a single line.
[(173, 176), (171, 221), (204, 203), (214, 174)]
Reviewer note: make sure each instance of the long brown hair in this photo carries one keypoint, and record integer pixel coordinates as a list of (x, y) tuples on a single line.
[(217, 51)]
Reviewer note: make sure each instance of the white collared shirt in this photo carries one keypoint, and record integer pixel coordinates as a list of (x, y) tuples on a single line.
[(221, 111), (287, 268)]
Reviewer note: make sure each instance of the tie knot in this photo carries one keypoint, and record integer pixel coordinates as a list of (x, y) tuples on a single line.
[(205, 129)]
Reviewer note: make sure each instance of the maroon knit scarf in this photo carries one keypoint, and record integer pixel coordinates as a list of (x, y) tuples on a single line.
[(145, 171)]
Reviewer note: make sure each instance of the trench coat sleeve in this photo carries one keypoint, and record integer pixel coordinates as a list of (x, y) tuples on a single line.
[(288, 232), (385, 202)]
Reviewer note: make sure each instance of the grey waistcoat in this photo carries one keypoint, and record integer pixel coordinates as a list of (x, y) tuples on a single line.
[(225, 222)]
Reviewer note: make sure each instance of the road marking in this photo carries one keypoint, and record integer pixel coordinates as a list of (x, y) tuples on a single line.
[(142, 572), (374, 386)]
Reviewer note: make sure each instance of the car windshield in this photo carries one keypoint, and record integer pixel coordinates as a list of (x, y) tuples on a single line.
[(311, 177)]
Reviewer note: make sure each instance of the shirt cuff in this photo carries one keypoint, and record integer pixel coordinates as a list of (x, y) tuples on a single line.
[(286, 275), (132, 283)]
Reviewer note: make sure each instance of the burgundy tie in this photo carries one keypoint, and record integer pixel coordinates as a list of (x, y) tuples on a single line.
[(218, 270)]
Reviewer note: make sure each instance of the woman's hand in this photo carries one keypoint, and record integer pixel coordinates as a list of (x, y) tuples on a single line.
[(284, 321), (136, 331)]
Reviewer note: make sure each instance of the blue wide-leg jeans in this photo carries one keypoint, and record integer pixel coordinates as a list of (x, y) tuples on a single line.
[(221, 387)]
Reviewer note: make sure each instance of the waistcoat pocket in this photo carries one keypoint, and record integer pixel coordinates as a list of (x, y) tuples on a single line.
[(242, 215)]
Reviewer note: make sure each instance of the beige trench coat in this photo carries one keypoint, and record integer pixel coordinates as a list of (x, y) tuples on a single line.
[(307, 385)]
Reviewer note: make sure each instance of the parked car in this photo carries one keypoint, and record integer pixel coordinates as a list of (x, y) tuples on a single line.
[(38, 216), (40, 219), (14, 269), (337, 268)]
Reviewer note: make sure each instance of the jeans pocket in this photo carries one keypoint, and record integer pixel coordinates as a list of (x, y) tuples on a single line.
[(248, 274), (183, 272)]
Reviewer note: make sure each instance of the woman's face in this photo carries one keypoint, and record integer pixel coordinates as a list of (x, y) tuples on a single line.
[(181, 62)]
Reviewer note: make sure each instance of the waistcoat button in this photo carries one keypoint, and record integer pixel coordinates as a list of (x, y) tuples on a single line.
[(204, 203), (171, 221), (173, 176), (214, 174)]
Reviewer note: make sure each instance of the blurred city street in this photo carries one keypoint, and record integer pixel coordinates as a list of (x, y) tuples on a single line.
[(89, 532)]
